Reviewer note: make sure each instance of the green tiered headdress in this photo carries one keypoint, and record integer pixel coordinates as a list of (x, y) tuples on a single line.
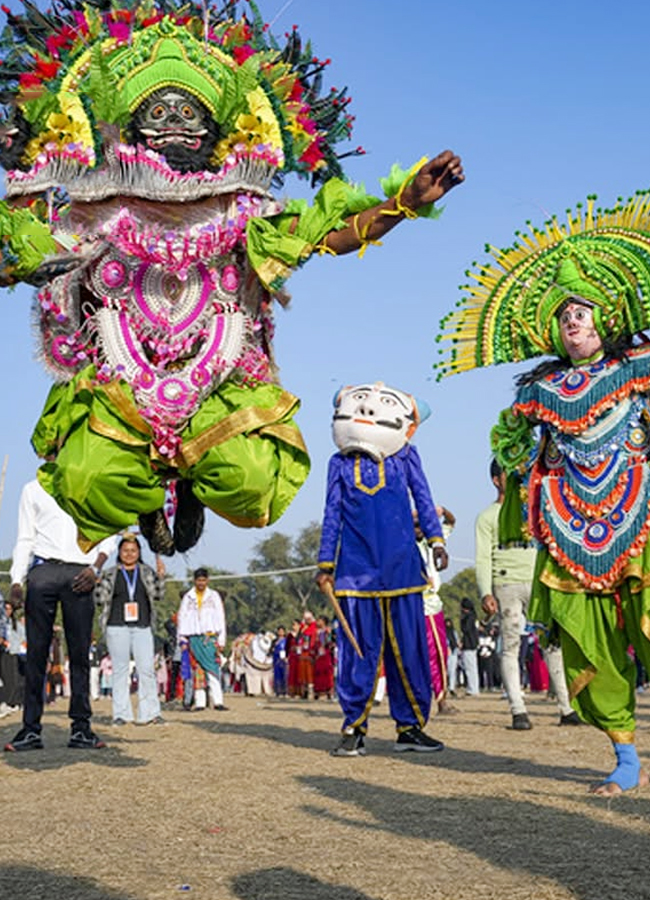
[(510, 315)]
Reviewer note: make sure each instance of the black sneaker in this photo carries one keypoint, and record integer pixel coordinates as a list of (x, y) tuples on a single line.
[(85, 739), (119, 722), (24, 740), (570, 719), (351, 744), (521, 722), (415, 739)]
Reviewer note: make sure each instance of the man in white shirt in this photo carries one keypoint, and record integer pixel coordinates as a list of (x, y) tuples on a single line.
[(56, 571), (202, 625)]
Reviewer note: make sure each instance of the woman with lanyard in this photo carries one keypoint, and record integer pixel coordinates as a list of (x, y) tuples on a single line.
[(126, 595)]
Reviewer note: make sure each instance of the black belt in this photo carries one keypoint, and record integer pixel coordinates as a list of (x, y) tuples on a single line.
[(41, 561)]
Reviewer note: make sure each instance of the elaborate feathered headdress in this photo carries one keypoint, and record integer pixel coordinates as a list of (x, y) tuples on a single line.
[(68, 73), (601, 256)]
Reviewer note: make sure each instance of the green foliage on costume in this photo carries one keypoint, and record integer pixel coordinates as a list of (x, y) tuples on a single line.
[(37, 111), (26, 241), (512, 440), (282, 243), (108, 102)]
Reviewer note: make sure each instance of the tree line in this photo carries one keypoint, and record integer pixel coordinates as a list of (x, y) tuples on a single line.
[(262, 601)]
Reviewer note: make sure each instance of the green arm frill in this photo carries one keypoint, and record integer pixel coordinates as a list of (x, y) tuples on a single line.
[(512, 441), (398, 178), (25, 241), (278, 245)]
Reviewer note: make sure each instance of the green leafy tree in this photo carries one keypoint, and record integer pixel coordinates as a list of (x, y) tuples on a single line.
[(463, 584), (5, 581)]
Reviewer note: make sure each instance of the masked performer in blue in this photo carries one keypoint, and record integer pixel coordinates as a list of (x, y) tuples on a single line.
[(370, 560)]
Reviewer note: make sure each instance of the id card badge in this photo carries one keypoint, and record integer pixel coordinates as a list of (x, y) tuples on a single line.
[(130, 612)]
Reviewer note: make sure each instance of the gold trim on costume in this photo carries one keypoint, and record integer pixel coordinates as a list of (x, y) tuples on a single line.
[(85, 544), (564, 583), (288, 434), (126, 407), (84, 384), (251, 418), (620, 737), (396, 593), (400, 665), (242, 521), (114, 434), (581, 681), (358, 482), (644, 624), (371, 699), (271, 269)]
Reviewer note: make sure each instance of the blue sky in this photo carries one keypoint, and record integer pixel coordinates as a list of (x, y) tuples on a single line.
[(546, 103)]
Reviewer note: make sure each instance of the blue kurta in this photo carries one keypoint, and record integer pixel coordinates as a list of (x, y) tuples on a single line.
[(368, 536), (368, 540)]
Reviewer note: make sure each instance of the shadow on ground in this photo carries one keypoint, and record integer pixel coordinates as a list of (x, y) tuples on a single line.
[(287, 884), (453, 759), (591, 858), (29, 883), (57, 755)]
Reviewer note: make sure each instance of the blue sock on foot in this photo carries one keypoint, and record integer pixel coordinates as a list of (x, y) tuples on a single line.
[(628, 767)]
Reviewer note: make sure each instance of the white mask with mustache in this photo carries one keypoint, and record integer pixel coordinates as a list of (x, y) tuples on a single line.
[(373, 419)]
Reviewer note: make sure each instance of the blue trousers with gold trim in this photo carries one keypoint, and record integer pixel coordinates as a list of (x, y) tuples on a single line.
[(392, 628)]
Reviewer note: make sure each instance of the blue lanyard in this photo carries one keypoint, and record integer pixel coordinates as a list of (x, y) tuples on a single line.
[(131, 579)]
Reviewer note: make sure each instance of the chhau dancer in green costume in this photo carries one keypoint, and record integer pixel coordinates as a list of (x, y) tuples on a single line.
[(576, 443), (141, 145)]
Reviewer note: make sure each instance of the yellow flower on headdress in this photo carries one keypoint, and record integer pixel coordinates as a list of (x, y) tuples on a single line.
[(69, 126), (258, 126), (261, 109)]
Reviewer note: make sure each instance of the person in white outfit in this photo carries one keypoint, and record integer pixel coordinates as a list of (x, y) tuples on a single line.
[(202, 625)]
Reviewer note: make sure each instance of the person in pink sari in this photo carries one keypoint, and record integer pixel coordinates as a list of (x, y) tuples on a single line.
[(434, 613)]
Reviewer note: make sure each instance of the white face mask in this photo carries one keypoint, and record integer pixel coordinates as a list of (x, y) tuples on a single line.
[(373, 419)]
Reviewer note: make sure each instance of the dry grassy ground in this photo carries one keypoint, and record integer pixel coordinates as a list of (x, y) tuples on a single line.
[(248, 804)]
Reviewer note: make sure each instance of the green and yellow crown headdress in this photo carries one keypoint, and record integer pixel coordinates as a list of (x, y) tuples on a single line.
[(509, 315)]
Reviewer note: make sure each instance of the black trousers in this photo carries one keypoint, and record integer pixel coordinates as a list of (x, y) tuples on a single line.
[(48, 585)]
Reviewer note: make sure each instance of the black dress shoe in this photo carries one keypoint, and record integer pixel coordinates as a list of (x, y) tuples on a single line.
[(570, 719), (521, 722)]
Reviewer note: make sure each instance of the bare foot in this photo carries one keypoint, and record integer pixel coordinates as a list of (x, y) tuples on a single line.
[(611, 789), (445, 708)]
